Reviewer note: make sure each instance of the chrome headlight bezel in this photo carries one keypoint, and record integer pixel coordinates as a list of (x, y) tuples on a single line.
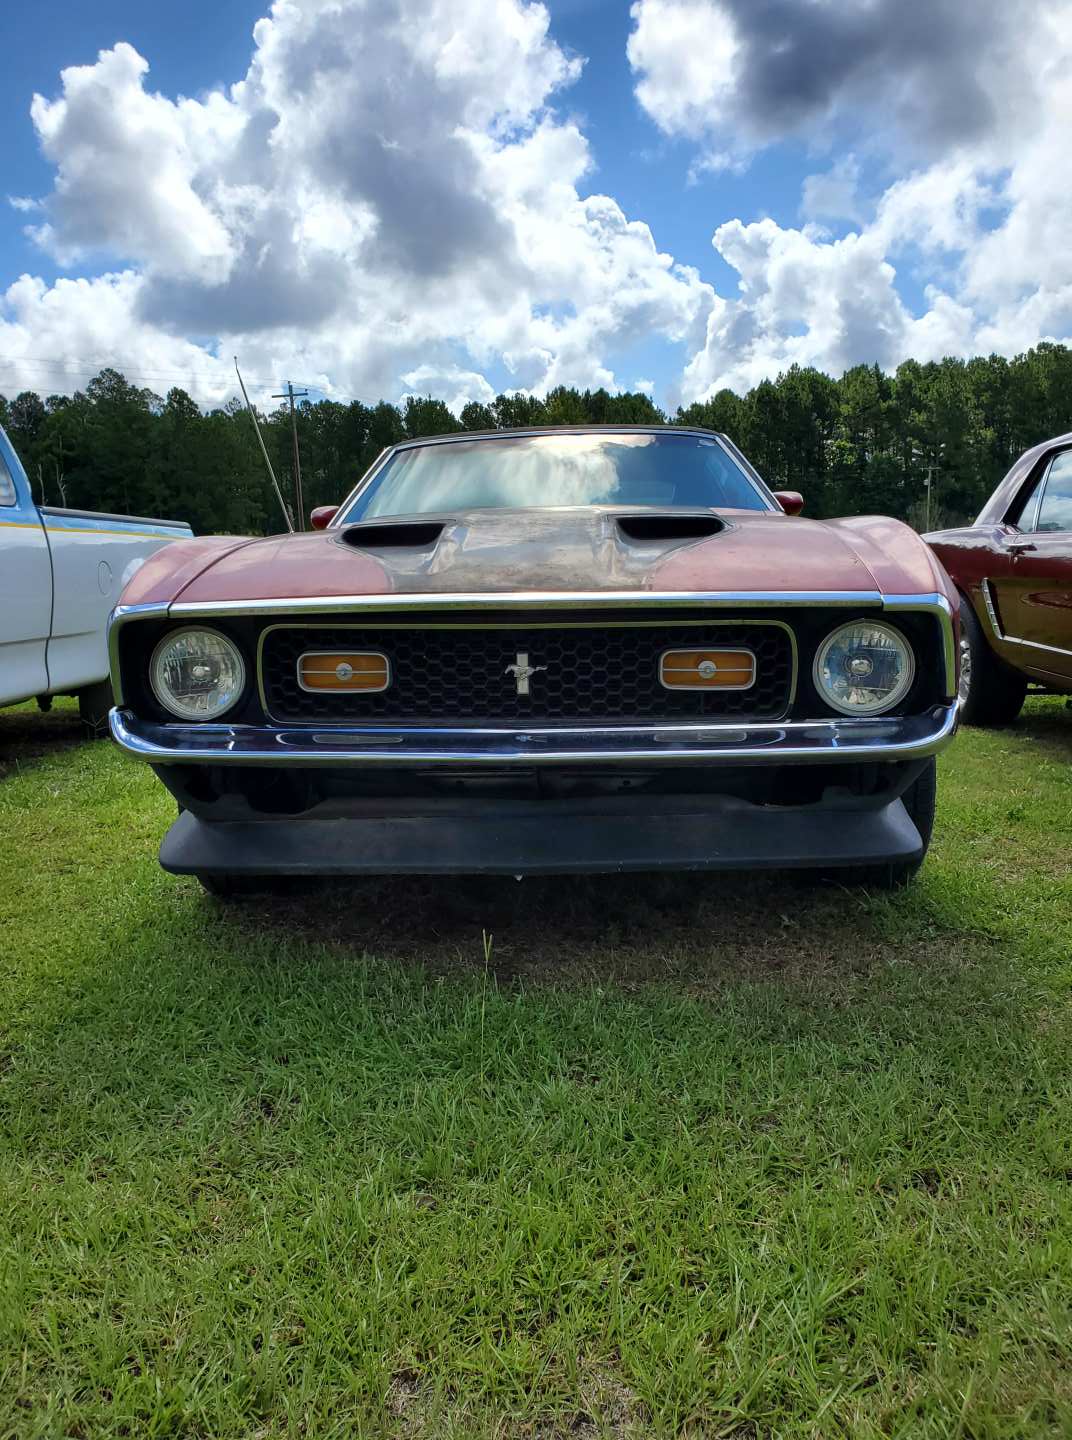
[(876, 707), (166, 698)]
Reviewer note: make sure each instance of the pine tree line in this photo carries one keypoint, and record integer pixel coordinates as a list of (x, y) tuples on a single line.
[(859, 444)]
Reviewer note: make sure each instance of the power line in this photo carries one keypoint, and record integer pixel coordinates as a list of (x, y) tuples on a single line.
[(108, 363), (137, 372)]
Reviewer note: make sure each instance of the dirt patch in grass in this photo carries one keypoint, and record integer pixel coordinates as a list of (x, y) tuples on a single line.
[(604, 1407)]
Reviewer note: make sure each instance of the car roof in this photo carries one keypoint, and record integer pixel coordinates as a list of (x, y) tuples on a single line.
[(1007, 490), (522, 430)]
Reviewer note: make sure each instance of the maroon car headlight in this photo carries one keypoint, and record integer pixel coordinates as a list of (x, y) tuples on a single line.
[(864, 668), (197, 674)]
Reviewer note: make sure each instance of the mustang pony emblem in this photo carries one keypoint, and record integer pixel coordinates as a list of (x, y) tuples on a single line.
[(522, 671)]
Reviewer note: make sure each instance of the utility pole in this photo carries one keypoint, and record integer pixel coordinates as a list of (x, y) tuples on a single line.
[(291, 394)]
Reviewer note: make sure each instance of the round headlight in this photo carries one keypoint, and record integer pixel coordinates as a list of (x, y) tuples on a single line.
[(864, 668), (197, 674)]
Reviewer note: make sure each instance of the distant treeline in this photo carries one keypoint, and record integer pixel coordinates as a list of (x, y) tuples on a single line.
[(863, 443)]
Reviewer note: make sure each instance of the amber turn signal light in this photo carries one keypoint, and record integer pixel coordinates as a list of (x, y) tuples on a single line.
[(343, 672), (707, 669)]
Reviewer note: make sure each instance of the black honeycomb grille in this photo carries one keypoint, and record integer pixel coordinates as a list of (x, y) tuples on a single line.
[(459, 676)]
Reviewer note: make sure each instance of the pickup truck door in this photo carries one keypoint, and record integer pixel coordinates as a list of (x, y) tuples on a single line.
[(1031, 578), (93, 557), (25, 586)]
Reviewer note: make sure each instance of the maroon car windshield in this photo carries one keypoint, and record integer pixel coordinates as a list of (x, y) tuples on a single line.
[(661, 469)]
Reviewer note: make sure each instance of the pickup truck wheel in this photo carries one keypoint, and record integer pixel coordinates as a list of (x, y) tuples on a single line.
[(919, 801), (94, 702), (990, 693)]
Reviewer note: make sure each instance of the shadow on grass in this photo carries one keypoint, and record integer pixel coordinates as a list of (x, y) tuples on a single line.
[(335, 1064), (696, 931), (193, 1018), (1048, 721), (29, 735)]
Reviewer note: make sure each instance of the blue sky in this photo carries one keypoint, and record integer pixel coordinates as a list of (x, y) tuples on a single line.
[(191, 48), (884, 182)]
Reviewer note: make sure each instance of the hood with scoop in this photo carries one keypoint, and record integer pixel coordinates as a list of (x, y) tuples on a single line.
[(584, 548)]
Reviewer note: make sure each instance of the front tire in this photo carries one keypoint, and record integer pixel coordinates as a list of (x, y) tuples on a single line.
[(990, 693)]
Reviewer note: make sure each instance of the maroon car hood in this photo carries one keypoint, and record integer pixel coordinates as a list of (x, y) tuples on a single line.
[(499, 551)]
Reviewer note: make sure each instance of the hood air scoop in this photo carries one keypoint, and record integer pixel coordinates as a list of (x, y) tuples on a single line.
[(394, 535), (669, 526)]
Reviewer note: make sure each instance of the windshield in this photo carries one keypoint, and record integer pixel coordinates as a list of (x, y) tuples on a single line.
[(664, 469)]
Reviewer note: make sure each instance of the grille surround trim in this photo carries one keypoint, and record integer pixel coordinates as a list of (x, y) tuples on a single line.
[(511, 724)]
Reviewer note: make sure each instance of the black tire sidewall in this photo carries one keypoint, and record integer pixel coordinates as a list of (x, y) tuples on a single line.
[(995, 692)]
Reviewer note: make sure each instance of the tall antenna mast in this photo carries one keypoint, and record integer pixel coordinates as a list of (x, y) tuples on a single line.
[(264, 450)]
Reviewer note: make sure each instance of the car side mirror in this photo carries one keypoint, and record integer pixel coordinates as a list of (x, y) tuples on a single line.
[(791, 501), (322, 516)]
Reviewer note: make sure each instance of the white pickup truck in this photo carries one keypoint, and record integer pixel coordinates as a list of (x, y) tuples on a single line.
[(61, 571)]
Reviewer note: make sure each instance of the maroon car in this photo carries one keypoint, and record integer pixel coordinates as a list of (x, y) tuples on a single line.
[(1014, 569), (539, 651)]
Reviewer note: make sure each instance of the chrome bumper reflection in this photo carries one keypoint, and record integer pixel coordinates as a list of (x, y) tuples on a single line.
[(800, 741)]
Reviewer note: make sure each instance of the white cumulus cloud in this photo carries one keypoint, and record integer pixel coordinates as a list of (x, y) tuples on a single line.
[(970, 107), (388, 198), (394, 198)]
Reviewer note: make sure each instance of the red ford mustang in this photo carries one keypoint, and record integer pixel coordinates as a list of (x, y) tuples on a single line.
[(541, 651), (1013, 568)]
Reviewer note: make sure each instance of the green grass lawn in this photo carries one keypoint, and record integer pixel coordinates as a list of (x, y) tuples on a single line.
[(690, 1156)]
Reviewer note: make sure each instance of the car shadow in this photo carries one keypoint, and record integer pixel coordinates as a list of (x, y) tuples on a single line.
[(29, 735), (196, 1003), (1048, 721), (700, 931)]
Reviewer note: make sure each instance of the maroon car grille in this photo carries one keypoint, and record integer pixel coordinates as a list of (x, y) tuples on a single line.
[(466, 676)]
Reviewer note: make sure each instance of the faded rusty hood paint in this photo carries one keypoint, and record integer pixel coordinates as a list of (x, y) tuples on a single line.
[(498, 551)]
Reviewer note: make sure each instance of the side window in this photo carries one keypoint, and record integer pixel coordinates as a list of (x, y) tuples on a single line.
[(1055, 510), (7, 485), (1025, 508)]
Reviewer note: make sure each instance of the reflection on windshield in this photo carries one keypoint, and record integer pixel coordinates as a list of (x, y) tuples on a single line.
[(549, 470)]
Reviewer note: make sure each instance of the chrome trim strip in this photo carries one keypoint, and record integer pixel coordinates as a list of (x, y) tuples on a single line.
[(817, 741), (928, 600), (991, 610), (992, 616), (535, 600), (566, 625), (337, 522), (935, 604), (120, 616), (1035, 645)]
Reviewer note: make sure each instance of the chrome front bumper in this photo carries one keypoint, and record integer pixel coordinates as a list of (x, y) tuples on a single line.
[(910, 737)]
